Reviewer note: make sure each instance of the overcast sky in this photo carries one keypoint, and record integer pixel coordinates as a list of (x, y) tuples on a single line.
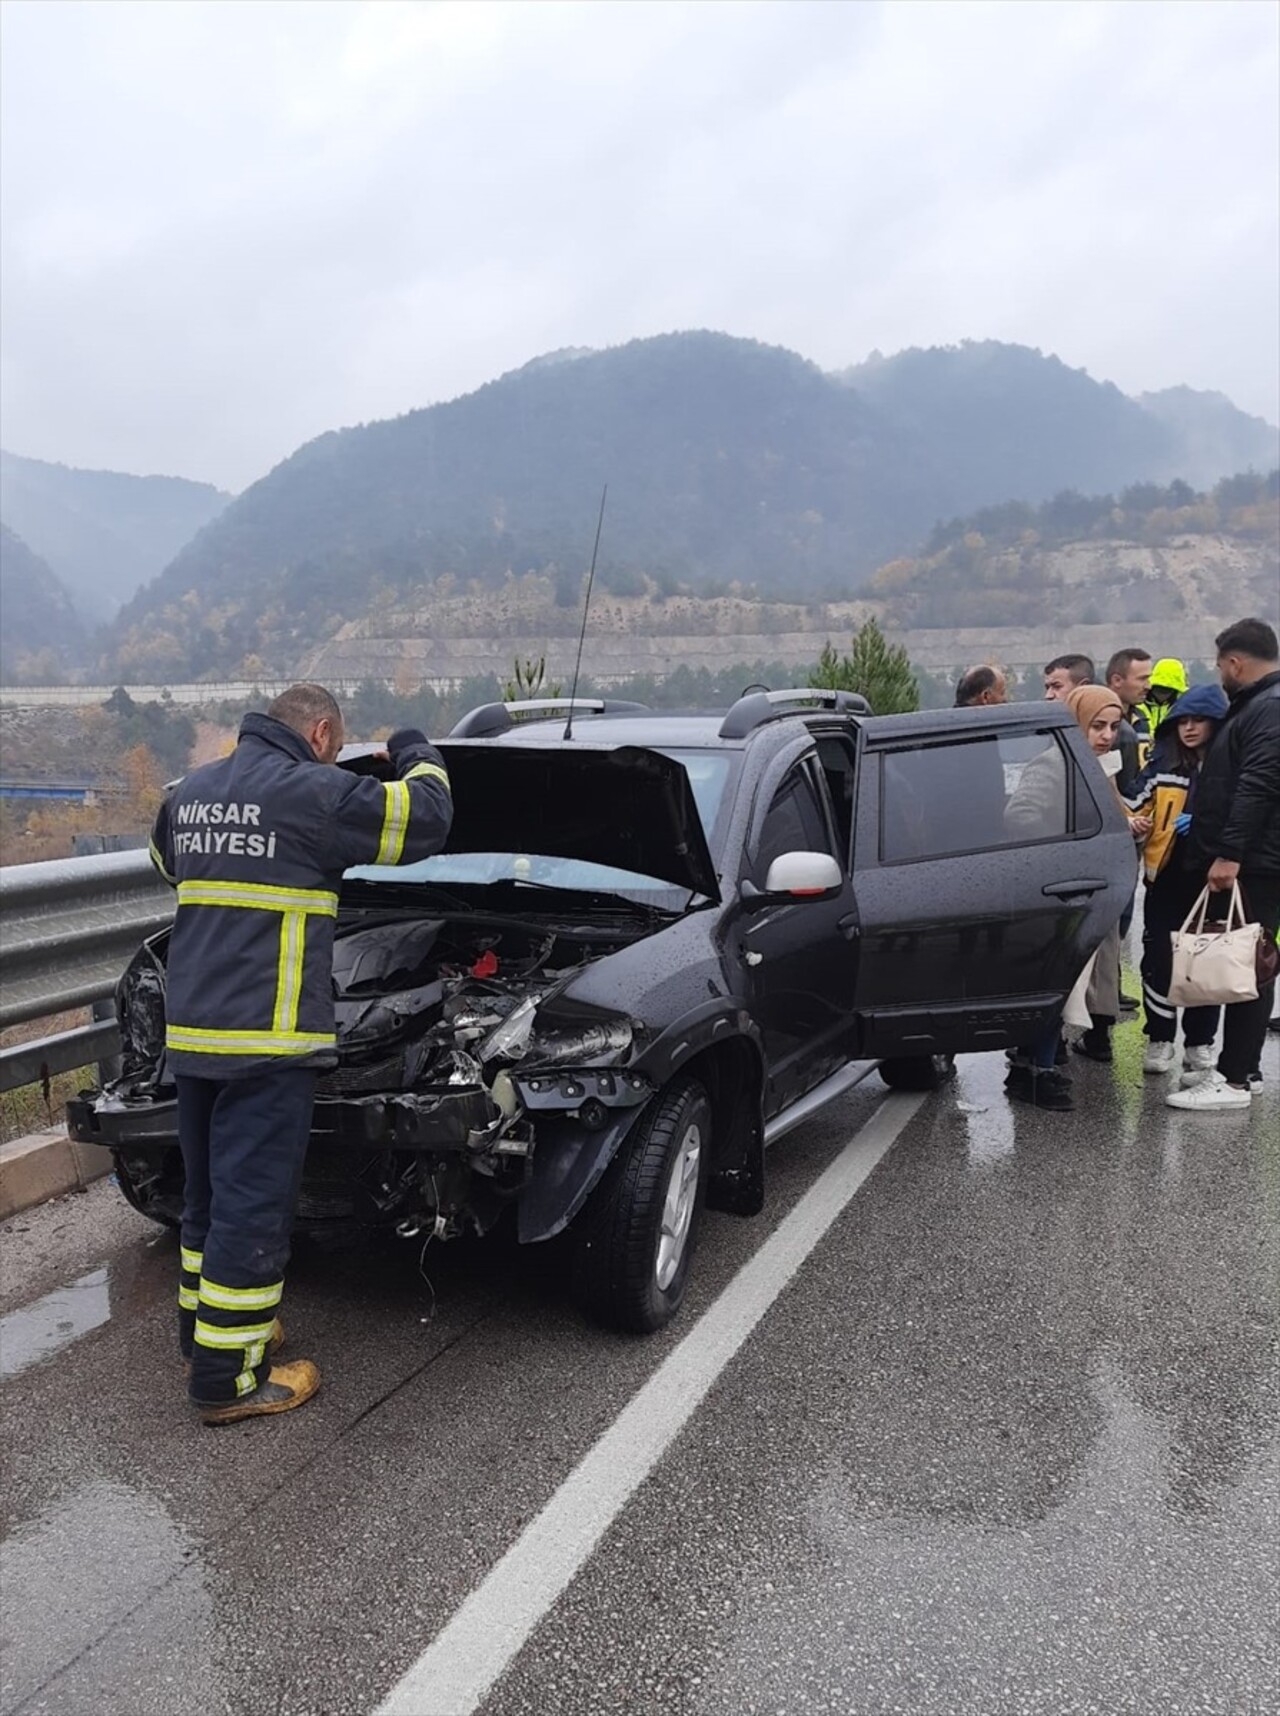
[(229, 227)]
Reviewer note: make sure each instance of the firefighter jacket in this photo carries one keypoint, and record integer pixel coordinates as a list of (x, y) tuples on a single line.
[(256, 845), (1167, 786)]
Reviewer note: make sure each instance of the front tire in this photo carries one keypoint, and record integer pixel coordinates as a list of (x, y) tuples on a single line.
[(634, 1242), (917, 1072)]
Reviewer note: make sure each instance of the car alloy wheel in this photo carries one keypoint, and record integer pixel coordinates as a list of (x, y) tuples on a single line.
[(678, 1205), (634, 1241)]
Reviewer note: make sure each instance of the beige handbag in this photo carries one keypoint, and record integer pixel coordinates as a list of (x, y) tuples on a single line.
[(1215, 964)]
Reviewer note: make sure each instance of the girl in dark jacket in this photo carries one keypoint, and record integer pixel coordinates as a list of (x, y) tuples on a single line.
[(1166, 792)]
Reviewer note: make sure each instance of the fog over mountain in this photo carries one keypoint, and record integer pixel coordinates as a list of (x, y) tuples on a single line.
[(104, 533), (727, 461), (42, 634), (228, 228)]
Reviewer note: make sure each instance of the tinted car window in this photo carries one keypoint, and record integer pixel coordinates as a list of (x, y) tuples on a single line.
[(977, 795), (794, 823), (836, 760)]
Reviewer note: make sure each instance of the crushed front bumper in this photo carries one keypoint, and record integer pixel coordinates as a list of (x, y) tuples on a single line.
[(465, 1119)]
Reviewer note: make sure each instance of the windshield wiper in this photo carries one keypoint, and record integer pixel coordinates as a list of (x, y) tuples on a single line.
[(607, 897), (434, 894)]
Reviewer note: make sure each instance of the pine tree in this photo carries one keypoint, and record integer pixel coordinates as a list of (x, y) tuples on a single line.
[(876, 668), (530, 680)]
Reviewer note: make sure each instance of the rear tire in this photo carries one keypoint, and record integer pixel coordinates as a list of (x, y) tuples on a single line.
[(917, 1072), (634, 1242)]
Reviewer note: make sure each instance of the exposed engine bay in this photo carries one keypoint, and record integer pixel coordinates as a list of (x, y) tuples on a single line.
[(458, 1002), (453, 1036)]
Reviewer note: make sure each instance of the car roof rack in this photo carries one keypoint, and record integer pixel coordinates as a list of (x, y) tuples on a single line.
[(757, 707), (491, 719)]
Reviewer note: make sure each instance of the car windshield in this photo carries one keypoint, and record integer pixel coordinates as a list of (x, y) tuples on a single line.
[(708, 773)]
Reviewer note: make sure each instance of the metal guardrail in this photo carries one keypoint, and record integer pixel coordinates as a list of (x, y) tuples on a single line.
[(68, 928)]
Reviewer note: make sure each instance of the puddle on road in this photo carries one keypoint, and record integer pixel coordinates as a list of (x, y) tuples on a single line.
[(38, 1331), (72, 1574), (980, 1098)]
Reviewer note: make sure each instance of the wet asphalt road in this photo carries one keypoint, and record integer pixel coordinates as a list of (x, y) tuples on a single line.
[(1008, 1441)]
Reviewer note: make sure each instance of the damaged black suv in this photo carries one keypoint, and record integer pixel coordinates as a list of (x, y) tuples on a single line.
[(654, 944)]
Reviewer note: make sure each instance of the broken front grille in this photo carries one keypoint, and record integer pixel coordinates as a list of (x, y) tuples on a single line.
[(364, 1077)]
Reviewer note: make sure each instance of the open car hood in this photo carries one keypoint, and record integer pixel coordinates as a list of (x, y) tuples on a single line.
[(622, 806)]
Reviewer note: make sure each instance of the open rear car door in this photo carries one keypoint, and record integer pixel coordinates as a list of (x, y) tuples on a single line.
[(991, 858)]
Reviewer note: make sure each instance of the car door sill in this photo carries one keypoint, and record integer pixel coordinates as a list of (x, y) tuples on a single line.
[(812, 1100)]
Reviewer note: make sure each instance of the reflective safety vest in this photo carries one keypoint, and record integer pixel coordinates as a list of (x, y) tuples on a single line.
[(256, 845), (1168, 676)]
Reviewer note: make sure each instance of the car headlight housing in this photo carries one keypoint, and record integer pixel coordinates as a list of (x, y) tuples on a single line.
[(545, 1039)]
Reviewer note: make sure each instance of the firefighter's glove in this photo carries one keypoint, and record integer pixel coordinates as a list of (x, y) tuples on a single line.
[(409, 746)]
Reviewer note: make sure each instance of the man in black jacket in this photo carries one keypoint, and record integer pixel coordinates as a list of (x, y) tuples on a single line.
[(1235, 833), (256, 845)]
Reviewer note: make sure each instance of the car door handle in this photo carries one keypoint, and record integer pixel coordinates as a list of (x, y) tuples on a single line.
[(1071, 890), (848, 925)]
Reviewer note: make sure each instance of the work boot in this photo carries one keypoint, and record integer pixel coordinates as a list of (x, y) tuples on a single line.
[(274, 1344), (1042, 1088), (287, 1386)]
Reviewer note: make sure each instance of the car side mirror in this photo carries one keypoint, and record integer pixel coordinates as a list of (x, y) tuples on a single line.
[(793, 878)]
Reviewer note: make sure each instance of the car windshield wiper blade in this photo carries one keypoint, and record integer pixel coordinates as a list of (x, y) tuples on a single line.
[(428, 892), (602, 896)]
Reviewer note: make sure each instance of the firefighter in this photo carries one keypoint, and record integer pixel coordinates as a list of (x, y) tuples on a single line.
[(256, 845)]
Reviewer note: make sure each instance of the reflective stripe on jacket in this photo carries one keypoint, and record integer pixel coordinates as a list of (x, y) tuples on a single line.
[(256, 845), (1164, 788), (1161, 793)]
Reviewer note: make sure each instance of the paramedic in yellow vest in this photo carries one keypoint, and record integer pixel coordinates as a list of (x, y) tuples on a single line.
[(1168, 682)]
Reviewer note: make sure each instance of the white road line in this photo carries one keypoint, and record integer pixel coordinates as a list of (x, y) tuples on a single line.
[(467, 1656)]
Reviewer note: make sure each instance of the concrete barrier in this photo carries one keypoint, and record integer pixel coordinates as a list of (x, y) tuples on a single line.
[(46, 1165)]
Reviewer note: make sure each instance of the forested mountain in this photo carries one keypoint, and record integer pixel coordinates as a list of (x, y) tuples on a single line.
[(726, 460), (41, 634), (104, 533), (1152, 555)]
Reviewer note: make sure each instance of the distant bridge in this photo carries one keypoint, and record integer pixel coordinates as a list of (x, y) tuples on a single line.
[(76, 792)]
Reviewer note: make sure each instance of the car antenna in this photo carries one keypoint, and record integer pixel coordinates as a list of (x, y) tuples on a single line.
[(586, 609)]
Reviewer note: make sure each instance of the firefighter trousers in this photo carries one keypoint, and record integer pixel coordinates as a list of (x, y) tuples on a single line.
[(243, 1143)]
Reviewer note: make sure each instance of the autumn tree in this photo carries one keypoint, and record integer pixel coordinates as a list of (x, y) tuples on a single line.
[(143, 784), (877, 669)]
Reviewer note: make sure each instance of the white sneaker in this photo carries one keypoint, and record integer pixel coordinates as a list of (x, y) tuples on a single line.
[(1188, 1081), (1199, 1059), (1159, 1058), (1211, 1092)]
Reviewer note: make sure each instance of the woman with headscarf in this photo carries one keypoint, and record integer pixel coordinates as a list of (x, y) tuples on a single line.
[(1094, 707), (1166, 791), (1035, 808)]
